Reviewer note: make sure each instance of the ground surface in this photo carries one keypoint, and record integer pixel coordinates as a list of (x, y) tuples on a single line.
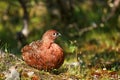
[(83, 66)]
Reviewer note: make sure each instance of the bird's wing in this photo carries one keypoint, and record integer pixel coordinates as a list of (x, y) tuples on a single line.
[(29, 52), (32, 46)]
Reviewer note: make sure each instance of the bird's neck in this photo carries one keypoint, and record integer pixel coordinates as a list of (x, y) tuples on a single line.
[(46, 43)]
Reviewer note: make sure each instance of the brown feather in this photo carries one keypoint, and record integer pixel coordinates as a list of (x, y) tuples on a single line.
[(44, 54)]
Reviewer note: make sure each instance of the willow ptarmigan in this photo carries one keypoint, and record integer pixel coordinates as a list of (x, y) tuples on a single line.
[(44, 54)]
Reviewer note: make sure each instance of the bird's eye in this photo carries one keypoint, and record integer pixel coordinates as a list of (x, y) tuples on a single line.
[(54, 34)]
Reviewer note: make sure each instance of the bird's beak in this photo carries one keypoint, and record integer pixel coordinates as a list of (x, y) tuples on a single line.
[(58, 34)]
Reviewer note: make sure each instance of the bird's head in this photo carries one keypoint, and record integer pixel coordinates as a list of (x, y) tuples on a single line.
[(50, 35)]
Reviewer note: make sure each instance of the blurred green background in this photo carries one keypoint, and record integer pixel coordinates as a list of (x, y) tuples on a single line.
[(77, 20)]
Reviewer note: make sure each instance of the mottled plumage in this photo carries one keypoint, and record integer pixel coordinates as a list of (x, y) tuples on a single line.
[(44, 54)]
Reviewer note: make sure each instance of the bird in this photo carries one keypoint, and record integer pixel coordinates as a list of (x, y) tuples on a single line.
[(44, 54)]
